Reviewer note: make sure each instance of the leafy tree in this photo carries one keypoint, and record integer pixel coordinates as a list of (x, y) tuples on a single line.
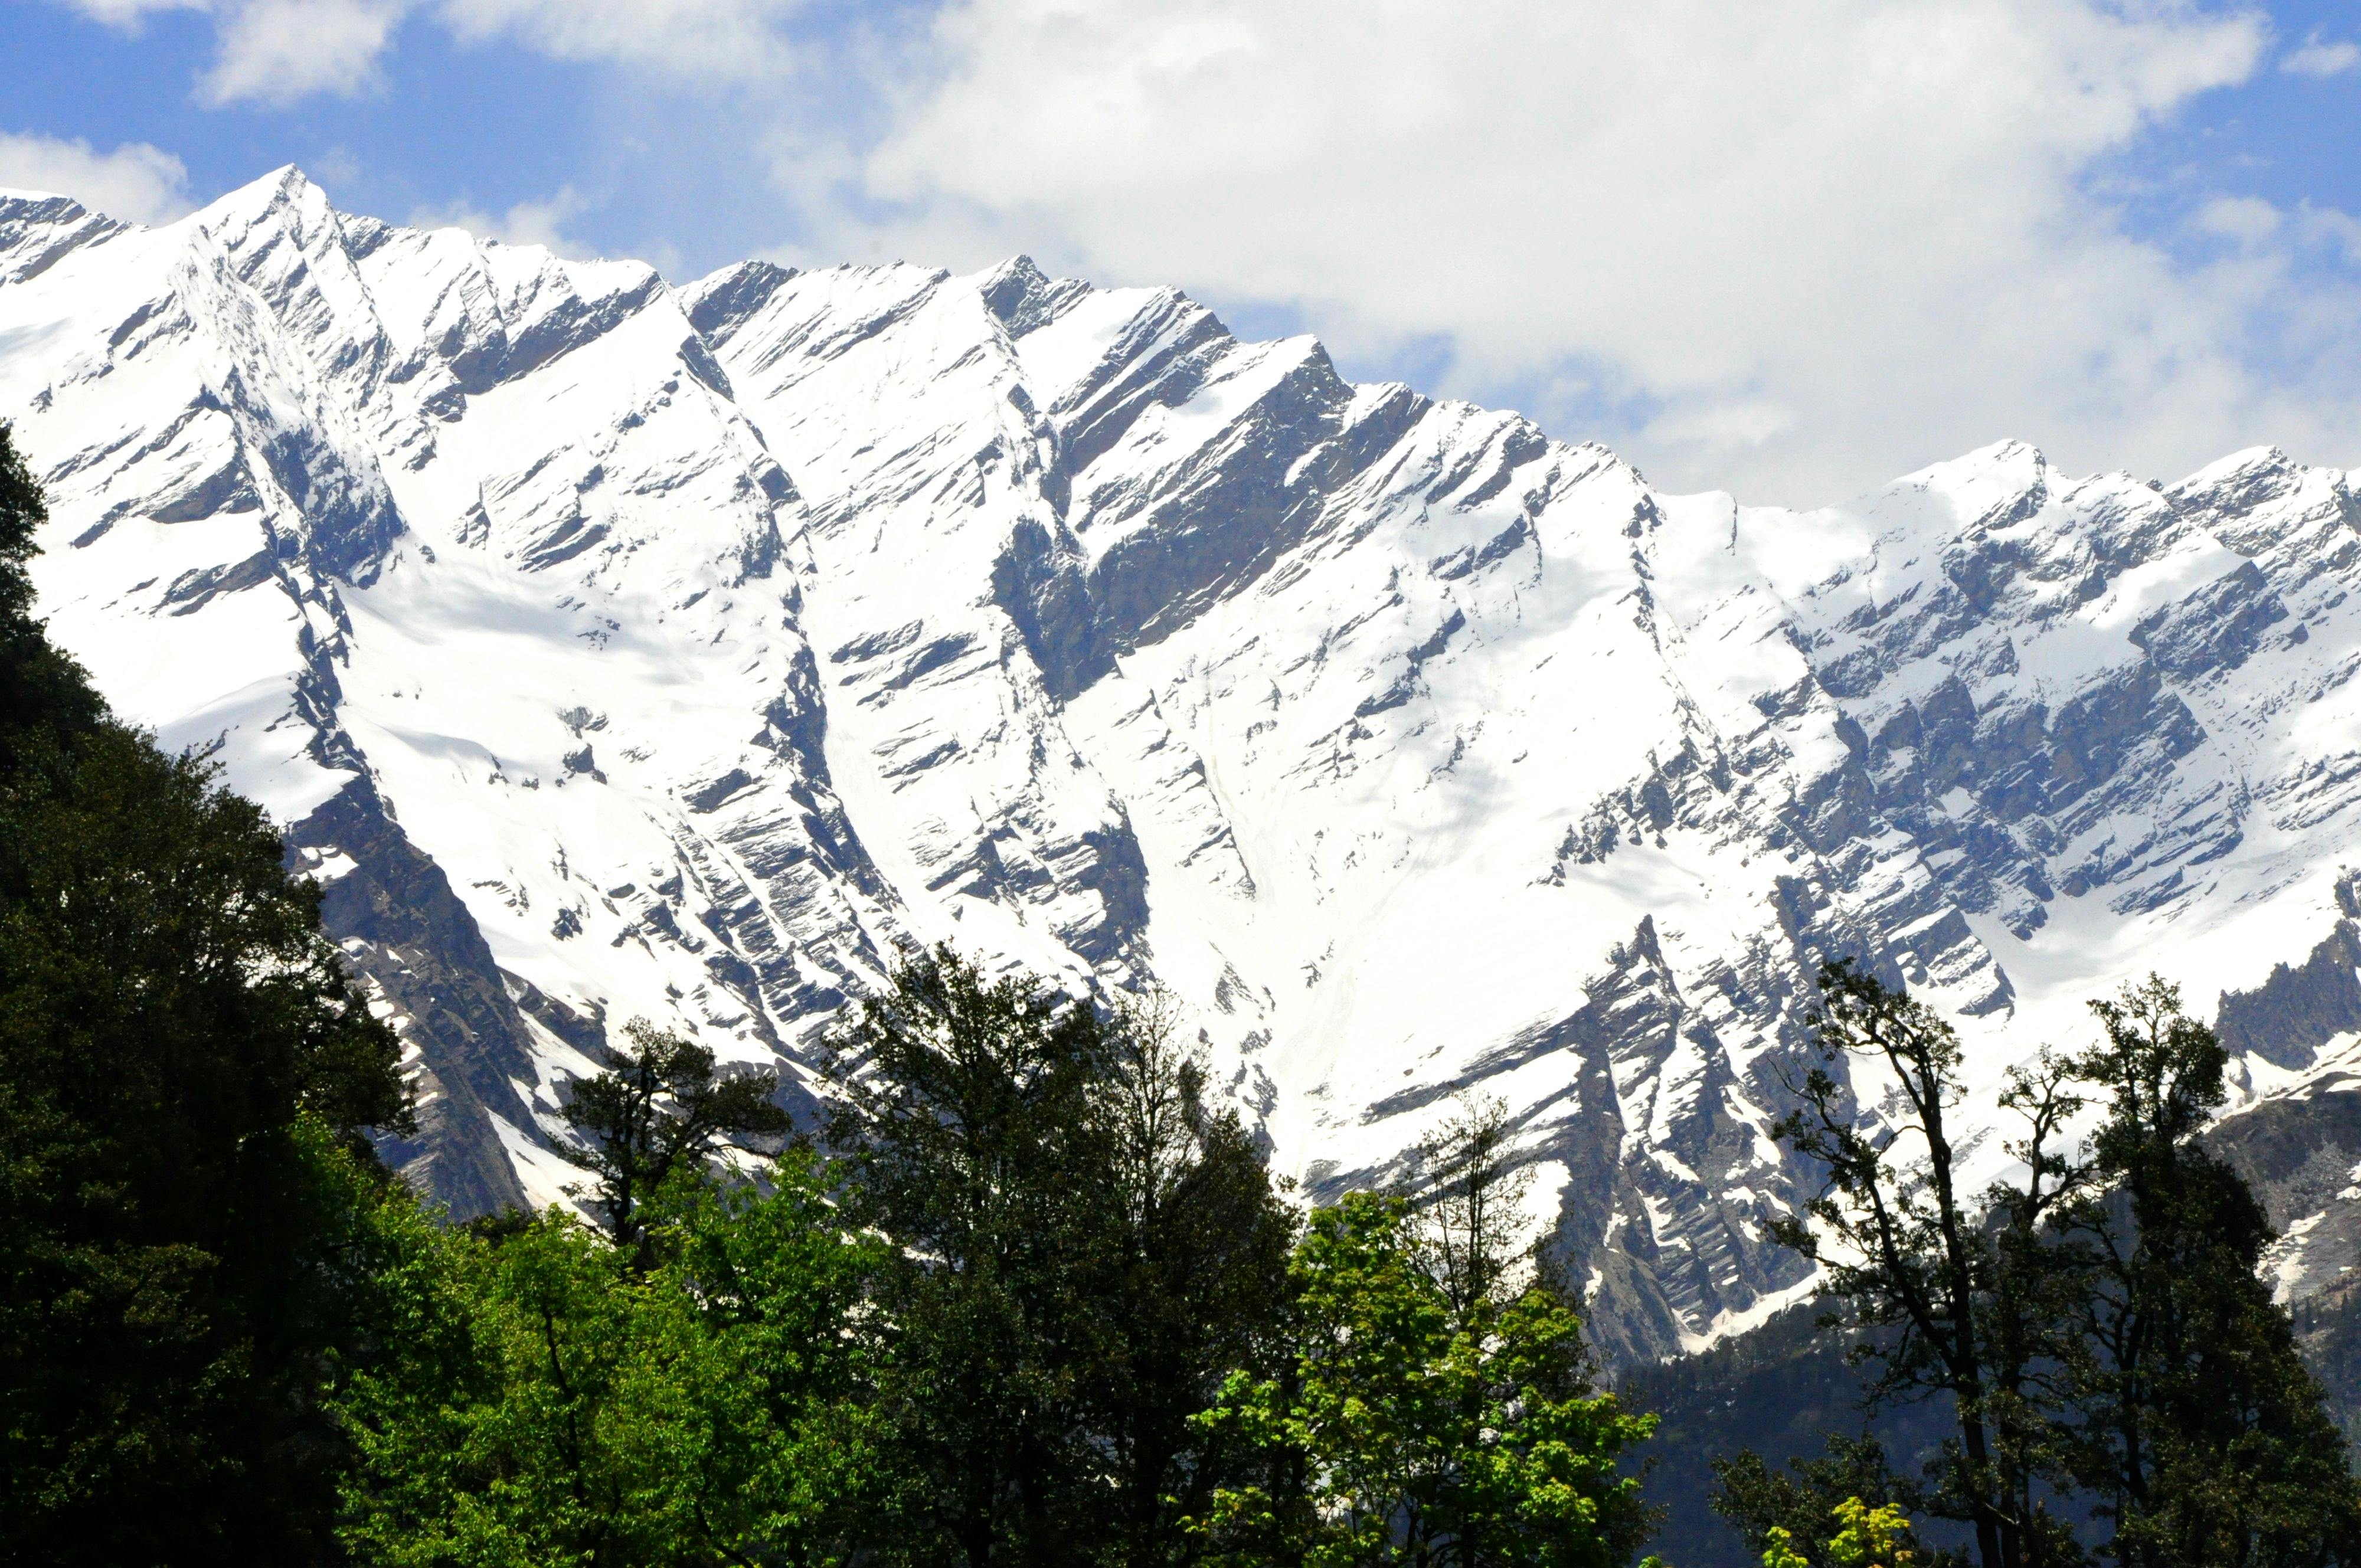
[(553, 1402), (1440, 1404), (2097, 1323), (2198, 1425), (662, 1106), (1945, 1304), (1194, 1283), (1801, 1516), (966, 1118), (1868, 1535), (789, 1466), (522, 1435), (182, 1055)]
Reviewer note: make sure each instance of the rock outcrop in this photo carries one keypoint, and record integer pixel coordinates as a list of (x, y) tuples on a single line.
[(613, 648)]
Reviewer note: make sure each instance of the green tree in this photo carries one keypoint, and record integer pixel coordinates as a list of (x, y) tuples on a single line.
[(1439, 1408), (520, 1431), (789, 1466), (966, 1121), (662, 1106), (2199, 1426), (1800, 1515), (1866, 1535), (1192, 1281), (551, 1402), (181, 1052)]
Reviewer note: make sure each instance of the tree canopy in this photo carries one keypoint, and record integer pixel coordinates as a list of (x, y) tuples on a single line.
[(186, 1071)]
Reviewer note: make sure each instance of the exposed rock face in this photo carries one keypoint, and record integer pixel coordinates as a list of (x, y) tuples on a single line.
[(419, 950), (615, 648)]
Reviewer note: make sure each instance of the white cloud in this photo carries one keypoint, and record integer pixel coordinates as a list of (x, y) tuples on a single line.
[(528, 222), (1816, 244), (2246, 220), (736, 39), (129, 14), (2317, 57), (277, 51), (136, 183), (2338, 230)]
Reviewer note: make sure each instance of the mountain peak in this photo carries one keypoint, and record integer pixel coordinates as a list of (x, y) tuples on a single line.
[(614, 649), (284, 186)]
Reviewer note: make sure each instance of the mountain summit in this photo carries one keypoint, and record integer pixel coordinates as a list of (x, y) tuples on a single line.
[(610, 649)]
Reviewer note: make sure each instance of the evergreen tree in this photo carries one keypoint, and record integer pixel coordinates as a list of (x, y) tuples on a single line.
[(44, 697), (185, 1070)]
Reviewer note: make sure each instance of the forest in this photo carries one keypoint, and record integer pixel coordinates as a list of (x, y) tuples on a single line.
[(1028, 1293)]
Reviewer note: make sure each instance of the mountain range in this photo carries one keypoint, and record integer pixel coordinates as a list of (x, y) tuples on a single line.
[(609, 648)]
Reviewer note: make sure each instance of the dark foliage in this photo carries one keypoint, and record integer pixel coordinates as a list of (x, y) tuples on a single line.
[(1942, 1302), (176, 1262), (43, 694), (966, 1122), (1087, 1251), (2197, 1427), (2096, 1324), (661, 1106), (1803, 1499), (1192, 1284), (1778, 1396)]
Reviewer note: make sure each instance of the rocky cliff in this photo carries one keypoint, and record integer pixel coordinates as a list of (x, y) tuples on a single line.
[(615, 648)]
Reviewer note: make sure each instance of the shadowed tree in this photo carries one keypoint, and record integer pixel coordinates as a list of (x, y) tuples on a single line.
[(1193, 1278), (2199, 1427), (1948, 1301), (661, 1105), (185, 1075), (966, 1121)]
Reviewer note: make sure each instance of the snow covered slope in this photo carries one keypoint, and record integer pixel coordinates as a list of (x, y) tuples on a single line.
[(614, 649)]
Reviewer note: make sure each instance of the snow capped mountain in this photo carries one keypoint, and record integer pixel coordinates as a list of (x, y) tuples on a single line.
[(614, 649)]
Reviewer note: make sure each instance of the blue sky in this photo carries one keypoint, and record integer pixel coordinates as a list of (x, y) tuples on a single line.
[(1788, 256)]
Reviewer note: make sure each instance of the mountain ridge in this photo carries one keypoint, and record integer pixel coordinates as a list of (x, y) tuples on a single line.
[(613, 648)]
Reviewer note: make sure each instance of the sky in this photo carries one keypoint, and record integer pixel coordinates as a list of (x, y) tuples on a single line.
[(1789, 251)]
